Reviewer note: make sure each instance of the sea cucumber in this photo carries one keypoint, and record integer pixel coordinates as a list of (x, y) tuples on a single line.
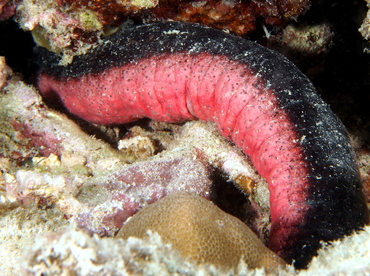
[(172, 71)]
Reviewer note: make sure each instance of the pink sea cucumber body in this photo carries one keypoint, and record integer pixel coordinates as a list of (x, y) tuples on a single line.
[(176, 71), (177, 89)]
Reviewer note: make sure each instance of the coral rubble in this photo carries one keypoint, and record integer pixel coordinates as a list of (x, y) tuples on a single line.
[(305, 45), (72, 27), (7, 8), (365, 27), (34, 129), (18, 229), (73, 252)]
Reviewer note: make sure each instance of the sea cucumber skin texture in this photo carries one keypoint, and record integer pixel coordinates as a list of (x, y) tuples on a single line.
[(173, 71)]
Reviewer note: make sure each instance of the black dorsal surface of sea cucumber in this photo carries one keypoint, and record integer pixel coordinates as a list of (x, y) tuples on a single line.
[(321, 201)]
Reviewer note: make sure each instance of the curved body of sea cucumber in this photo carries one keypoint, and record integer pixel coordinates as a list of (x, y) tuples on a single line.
[(173, 71)]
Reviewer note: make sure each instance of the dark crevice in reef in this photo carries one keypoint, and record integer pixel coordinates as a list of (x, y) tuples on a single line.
[(344, 82), (17, 47), (225, 195), (229, 198)]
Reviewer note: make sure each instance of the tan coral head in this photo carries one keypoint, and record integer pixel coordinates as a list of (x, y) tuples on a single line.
[(201, 232)]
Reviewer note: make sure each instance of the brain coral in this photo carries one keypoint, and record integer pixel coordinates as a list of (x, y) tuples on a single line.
[(201, 232)]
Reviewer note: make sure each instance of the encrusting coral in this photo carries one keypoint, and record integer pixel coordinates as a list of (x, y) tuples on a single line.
[(201, 232), (73, 27)]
